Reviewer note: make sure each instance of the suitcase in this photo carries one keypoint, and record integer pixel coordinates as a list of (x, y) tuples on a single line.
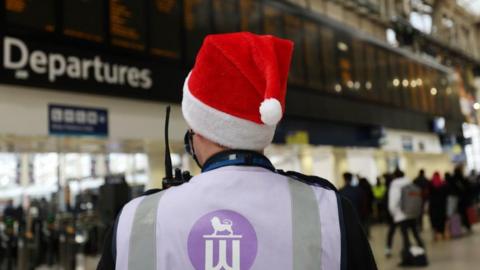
[(472, 215), (455, 226)]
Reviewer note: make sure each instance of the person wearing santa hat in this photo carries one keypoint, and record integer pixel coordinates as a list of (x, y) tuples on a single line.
[(240, 213)]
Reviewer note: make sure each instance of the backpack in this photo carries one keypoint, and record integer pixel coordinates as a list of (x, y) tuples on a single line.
[(411, 201)]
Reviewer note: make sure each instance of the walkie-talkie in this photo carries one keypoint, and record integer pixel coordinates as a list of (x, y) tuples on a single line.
[(179, 177)]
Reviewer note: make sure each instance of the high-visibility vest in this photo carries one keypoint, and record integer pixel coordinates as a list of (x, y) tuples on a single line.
[(379, 191), (233, 218)]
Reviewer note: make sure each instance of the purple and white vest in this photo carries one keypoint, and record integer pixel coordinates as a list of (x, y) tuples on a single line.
[(232, 218)]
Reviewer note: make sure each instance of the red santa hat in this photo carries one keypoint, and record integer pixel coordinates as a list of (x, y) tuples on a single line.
[(235, 94)]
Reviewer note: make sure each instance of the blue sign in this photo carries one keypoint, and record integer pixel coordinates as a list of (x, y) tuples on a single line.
[(79, 121)]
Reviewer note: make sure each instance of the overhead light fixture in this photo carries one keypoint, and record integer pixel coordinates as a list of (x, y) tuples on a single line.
[(396, 82), (405, 83), (476, 106), (350, 84), (368, 85), (357, 85), (338, 88), (434, 91), (342, 46)]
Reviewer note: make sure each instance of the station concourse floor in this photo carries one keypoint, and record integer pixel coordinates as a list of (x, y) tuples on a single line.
[(456, 254)]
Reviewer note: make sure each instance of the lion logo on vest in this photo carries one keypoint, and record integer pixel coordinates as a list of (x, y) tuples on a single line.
[(219, 226), (222, 240)]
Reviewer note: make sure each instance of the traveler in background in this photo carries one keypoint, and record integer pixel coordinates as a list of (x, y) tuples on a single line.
[(453, 224), (438, 206), (464, 192), (422, 182), (448, 180), (9, 211), (473, 177), (392, 226), (406, 221), (379, 191), (353, 193), (369, 199), (474, 180)]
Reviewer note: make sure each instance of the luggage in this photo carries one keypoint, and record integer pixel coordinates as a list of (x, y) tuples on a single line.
[(411, 201), (472, 215), (455, 225), (415, 256)]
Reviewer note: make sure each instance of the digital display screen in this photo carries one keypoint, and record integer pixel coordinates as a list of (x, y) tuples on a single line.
[(313, 55), (197, 25), (35, 14), (250, 16), (128, 24), (293, 32), (165, 28), (273, 23), (84, 19), (225, 15)]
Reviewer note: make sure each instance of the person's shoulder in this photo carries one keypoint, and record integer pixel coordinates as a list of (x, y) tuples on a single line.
[(133, 203), (309, 179)]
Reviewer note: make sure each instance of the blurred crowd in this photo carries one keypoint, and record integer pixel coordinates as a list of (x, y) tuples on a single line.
[(37, 233), (451, 202)]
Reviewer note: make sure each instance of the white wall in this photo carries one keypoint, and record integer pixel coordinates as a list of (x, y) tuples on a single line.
[(24, 112), (362, 162), (394, 141)]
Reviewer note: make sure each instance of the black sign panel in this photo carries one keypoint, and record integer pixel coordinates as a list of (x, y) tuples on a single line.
[(50, 65), (35, 14), (165, 28), (128, 24), (84, 19)]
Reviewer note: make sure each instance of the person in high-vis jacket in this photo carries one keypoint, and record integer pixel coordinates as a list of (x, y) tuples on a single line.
[(240, 213)]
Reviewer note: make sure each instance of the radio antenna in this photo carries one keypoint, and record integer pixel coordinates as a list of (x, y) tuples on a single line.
[(168, 158)]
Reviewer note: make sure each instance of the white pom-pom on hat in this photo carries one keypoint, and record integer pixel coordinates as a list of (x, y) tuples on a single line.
[(271, 111)]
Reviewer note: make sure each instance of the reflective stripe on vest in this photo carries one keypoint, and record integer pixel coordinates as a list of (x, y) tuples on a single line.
[(306, 232), (143, 246), (124, 229), (316, 237)]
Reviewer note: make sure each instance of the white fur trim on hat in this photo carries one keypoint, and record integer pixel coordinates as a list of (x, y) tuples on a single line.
[(222, 128)]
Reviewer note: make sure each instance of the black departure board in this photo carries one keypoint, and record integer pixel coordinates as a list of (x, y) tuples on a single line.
[(273, 23), (84, 19), (225, 16), (128, 24), (294, 32), (197, 25), (165, 28), (251, 16), (35, 14), (313, 56)]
